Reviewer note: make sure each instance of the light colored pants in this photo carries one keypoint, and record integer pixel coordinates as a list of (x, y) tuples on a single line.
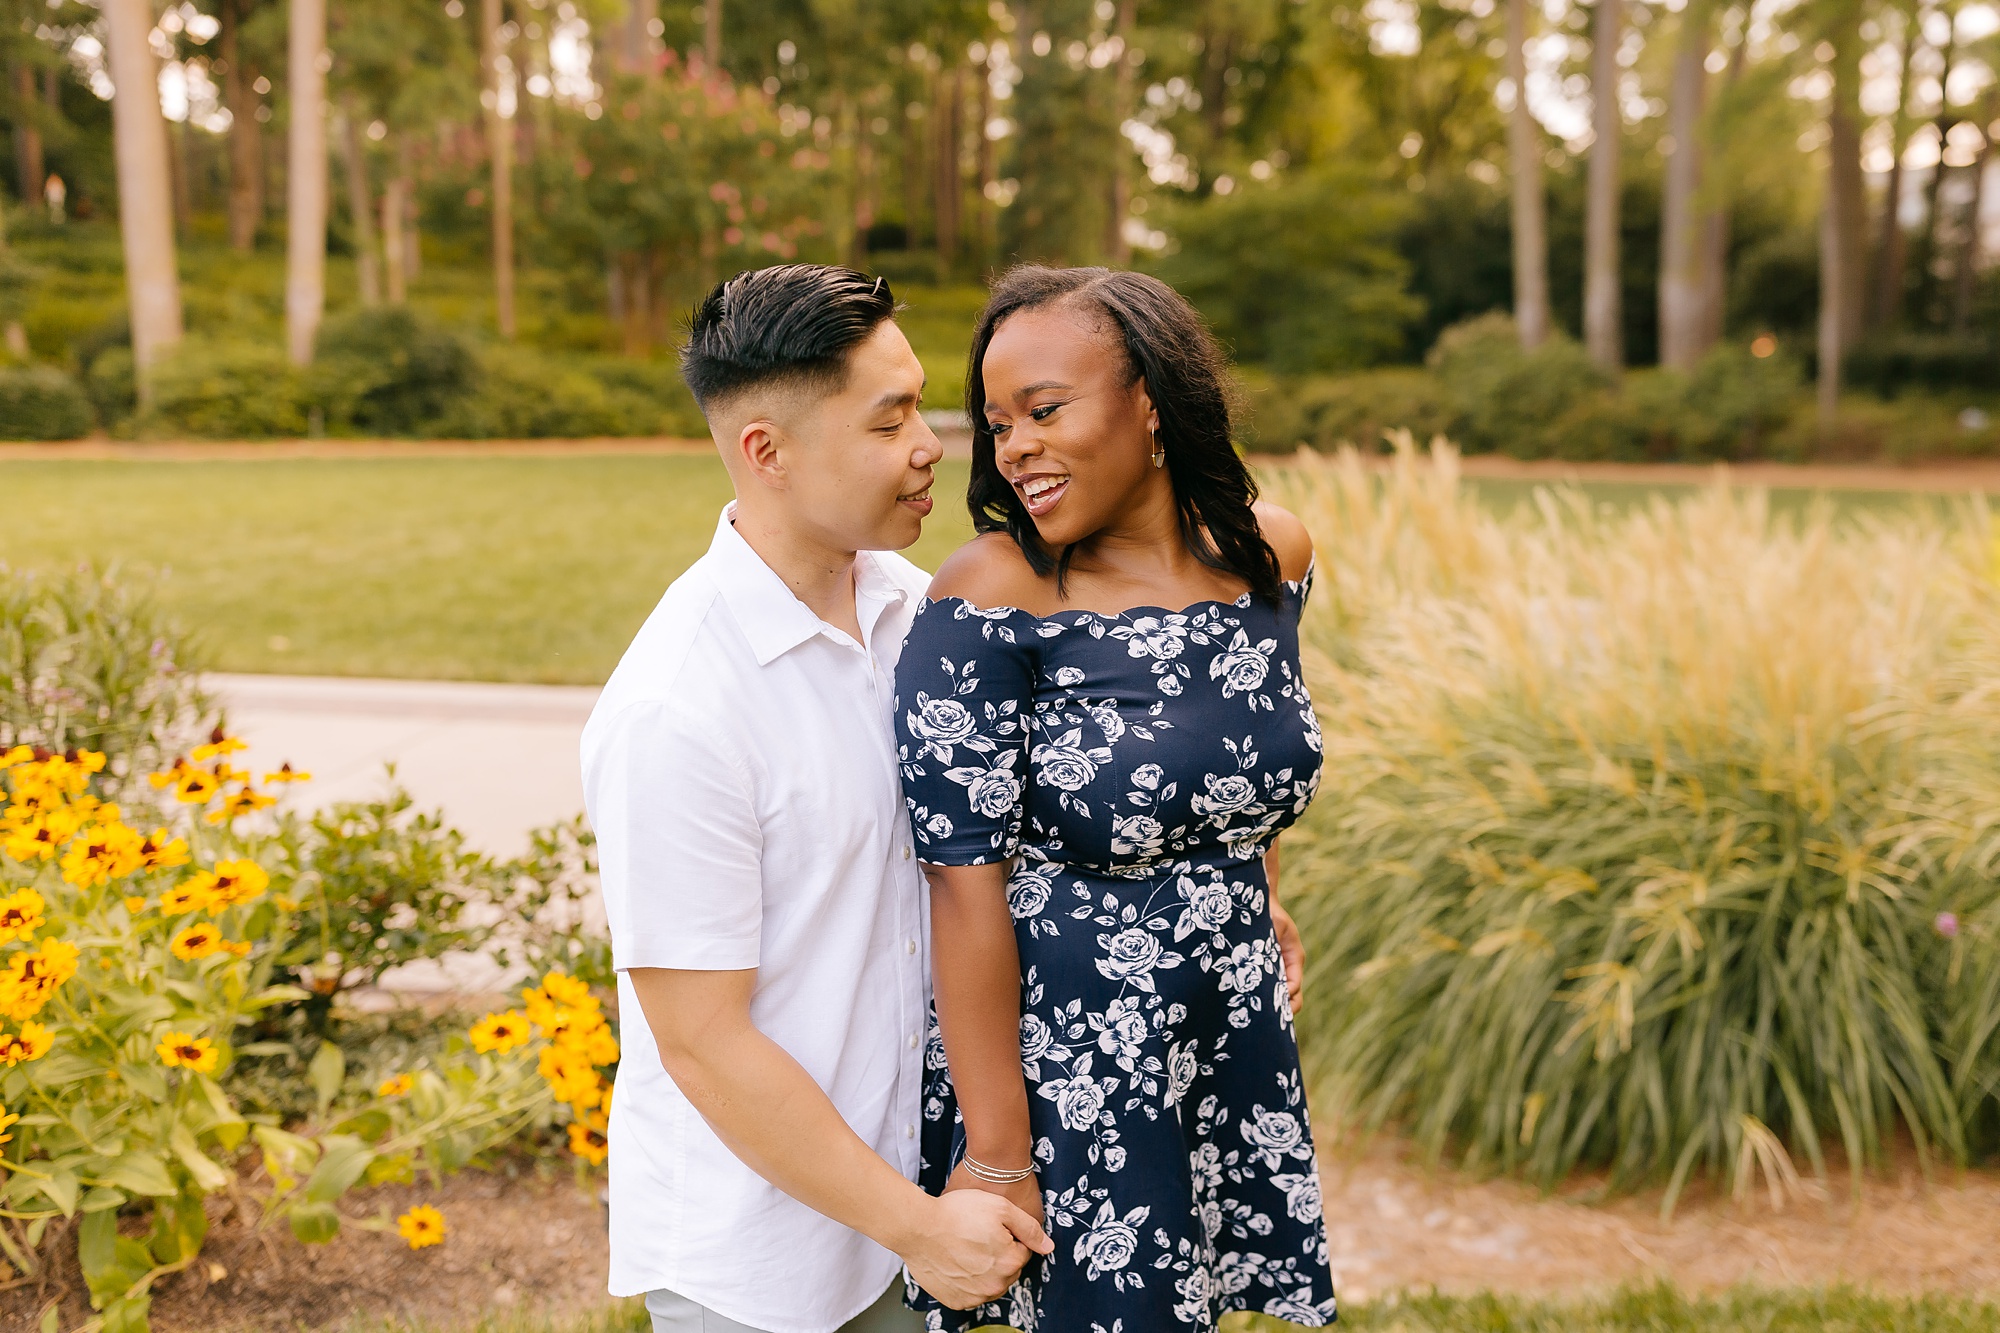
[(674, 1313)]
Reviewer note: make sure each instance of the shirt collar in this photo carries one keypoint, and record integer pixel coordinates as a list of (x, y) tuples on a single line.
[(772, 617)]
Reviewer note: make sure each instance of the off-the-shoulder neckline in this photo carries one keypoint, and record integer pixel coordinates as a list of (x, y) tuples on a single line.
[(1241, 602)]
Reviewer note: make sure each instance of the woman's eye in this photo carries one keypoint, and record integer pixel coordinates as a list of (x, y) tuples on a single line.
[(1044, 413), (996, 428)]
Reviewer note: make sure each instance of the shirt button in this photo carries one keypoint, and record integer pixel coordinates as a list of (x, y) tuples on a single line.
[(906, 852), (909, 946), (909, 1131), (913, 1041)]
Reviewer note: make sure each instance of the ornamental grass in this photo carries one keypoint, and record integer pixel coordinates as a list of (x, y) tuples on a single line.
[(1662, 841)]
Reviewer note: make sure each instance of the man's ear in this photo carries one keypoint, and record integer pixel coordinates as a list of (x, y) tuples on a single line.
[(758, 444)]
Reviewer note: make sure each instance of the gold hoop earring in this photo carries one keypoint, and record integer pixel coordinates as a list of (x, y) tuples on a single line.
[(1159, 453)]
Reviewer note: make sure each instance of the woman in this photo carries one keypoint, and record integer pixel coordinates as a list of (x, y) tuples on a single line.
[(1096, 780)]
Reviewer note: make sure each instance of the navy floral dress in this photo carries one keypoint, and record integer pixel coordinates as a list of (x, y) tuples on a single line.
[(1137, 765)]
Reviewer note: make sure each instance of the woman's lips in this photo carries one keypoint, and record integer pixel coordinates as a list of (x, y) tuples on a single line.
[(1041, 493)]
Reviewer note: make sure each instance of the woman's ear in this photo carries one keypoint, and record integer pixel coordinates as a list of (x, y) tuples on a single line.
[(1146, 408)]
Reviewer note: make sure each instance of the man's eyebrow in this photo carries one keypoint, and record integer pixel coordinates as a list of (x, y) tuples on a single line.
[(889, 400)]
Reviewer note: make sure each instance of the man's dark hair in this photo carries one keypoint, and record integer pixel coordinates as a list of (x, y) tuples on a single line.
[(795, 323)]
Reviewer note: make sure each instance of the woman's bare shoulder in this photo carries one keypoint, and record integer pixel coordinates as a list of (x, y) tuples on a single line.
[(990, 571), (1288, 537)]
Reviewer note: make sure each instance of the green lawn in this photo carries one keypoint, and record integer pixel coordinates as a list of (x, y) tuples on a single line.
[(526, 569), (1639, 1310), (474, 568)]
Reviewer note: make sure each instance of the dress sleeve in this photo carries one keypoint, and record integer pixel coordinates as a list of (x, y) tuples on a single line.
[(964, 694)]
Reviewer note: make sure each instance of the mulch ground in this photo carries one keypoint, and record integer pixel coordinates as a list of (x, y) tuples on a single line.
[(534, 1242)]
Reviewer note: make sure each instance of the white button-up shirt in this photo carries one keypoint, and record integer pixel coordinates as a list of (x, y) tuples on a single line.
[(740, 772)]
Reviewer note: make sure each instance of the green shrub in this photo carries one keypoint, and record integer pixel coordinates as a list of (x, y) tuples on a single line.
[(1893, 363), (1903, 430), (1326, 411), (112, 384), (528, 395), (388, 371), (1664, 841), (89, 661), (1504, 398), (1301, 274), (41, 403), (225, 391)]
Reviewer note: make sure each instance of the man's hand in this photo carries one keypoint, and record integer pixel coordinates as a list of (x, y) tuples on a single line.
[(1293, 950), (970, 1246), (1025, 1194)]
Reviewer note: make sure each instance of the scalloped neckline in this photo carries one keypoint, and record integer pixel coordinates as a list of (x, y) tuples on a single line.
[(1242, 602)]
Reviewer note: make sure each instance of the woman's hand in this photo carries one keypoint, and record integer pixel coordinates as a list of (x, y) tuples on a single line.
[(1025, 1194), (1293, 950)]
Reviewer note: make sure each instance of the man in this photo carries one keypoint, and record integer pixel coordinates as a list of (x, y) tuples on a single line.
[(767, 918)]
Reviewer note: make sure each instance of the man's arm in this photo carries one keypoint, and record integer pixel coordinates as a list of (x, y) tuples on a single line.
[(964, 1248)]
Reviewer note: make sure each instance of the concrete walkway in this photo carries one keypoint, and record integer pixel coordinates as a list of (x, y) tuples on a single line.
[(498, 759)]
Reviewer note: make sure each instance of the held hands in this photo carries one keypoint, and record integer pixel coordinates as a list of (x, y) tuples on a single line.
[(974, 1243), (1293, 950)]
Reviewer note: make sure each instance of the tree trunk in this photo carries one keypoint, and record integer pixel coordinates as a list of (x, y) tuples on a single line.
[(500, 153), (246, 149), (360, 204), (711, 33), (28, 161), (1891, 247), (1841, 223), (392, 239), (1927, 241), (1116, 246), (988, 231), (413, 257), (1603, 306), (950, 123), (1530, 220), (145, 194), (1681, 248), (1966, 271), (1714, 223), (634, 52), (306, 181)]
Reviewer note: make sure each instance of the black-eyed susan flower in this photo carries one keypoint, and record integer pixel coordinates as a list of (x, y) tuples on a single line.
[(197, 941), (182, 1050), (570, 1077), (101, 854), (230, 883), (239, 803), (587, 1140), (500, 1033), (32, 977), (395, 1085), (21, 915), (135, 905), (219, 744), (286, 773), (7, 1121), (162, 852), (197, 787), (41, 836), (423, 1225), (31, 1043), (20, 754)]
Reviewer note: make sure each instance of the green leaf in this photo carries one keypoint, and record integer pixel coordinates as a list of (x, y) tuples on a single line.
[(266, 1048), (315, 1223), (52, 1317), (228, 1127), (179, 1227), (208, 1177), (148, 1081), (327, 1071), (271, 995), (370, 1124), (128, 1314), (141, 1173), (62, 1187), (111, 1263), (343, 1159), (99, 1197)]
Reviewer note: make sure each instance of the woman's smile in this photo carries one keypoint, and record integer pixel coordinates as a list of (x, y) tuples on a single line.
[(1042, 491)]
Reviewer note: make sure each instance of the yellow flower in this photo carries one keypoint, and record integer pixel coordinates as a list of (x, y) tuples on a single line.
[(239, 803), (197, 941), (588, 1142), (230, 883), (135, 905), (20, 754), (181, 1050), (21, 915), (219, 743), (286, 773), (395, 1085), (570, 1077), (39, 837), (6, 1121), (32, 977), (161, 852), (500, 1033), (566, 989), (184, 898), (422, 1225), (197, 787), (105, 853), (597, 1045), (33, 1043)]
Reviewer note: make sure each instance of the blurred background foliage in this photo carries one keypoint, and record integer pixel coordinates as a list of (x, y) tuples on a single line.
[(1330, 181)]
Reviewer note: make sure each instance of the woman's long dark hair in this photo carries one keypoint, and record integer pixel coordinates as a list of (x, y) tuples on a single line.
[(1168, 346)]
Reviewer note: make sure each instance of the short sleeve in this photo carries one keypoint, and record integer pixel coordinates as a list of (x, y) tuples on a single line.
[(680, 848), (964, 694)]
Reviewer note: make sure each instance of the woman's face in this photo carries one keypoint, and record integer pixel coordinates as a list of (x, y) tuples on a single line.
[(1072, 427)]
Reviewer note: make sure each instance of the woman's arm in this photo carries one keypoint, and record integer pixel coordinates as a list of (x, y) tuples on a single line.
[(1290, 945), (977, 982)]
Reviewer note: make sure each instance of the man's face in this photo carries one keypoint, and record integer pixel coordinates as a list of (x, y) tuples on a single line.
[(858, 463)]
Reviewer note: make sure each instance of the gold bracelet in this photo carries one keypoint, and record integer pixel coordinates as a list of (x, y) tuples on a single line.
[(995, 1176)]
